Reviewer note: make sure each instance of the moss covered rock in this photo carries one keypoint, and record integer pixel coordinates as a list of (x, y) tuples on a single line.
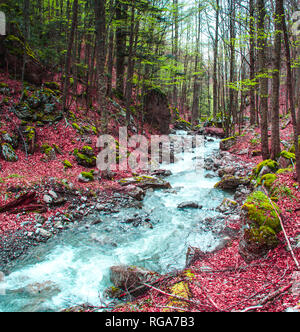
[(85, 157), (267, 180), (261, 226), (227, 143), (8, 153), (229, 182), (86, 177), (30, 137), (67, 164), (286, 159), (265, 167), (261, 212)]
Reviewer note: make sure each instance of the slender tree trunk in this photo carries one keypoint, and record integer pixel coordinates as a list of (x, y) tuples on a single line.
[(26, 35), (121, 34), (275, 146), (215, 80), (252, 64), (176, 43), (291, 90), (101, 56), (69, 55), (264, 93)]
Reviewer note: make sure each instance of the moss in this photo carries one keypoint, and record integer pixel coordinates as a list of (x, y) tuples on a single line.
[(288, 155), (260, 211), (228, 139), (264, 236), (88, 175), (272, 164), (182, 290), (67, 164), (267, 180), (85, 160), (284, 170), (9, 153), (3, 85), (52, 85), (77, 127)]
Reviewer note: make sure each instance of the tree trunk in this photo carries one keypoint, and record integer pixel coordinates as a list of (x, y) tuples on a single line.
[(291, 90), (69, 55), (252, 64), (275, 146), (121, 34), (101, 55), (215, 80), (264, 93)]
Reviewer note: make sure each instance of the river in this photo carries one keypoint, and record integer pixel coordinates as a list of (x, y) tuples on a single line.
[(74, 266)]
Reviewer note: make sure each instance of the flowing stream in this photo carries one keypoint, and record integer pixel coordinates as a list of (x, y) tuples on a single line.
[(74, 266)]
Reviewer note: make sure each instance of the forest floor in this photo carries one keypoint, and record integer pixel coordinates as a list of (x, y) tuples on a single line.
[(219, 282)]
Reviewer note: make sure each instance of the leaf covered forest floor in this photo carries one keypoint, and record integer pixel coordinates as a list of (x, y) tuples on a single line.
[(219, 282)]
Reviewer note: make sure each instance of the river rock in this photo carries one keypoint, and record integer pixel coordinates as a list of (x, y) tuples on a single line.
[(146, 182), (189, 205), (130, 278), (231, 182), (135, 192)]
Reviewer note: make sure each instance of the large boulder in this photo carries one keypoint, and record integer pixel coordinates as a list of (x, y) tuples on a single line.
[(229, 182), (146, 182), (261, 225), (130, 279), (157, 110)]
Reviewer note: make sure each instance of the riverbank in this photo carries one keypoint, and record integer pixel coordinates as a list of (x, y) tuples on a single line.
[(223, 281)]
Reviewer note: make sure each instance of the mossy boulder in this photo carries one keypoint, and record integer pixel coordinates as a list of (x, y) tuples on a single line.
[(86, 177), (8, 153), (286, 159), (181, 124), (261, 226), (267, 180), (229, 182), (227, 143), (86, 157), (146, 182), (39, 106), (265, 167), (260, 211)]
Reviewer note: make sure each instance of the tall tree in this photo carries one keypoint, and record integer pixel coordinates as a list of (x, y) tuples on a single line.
[(69, 55), (215, 79), (263, 89), (275, 141), (291, 89), (100, 18), (121, 38)]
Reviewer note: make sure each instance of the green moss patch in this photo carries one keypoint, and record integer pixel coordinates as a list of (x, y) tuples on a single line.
[(261, 212), (271, 164)]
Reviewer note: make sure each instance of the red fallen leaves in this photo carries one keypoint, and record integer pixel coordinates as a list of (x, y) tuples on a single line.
[(26, 203)]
